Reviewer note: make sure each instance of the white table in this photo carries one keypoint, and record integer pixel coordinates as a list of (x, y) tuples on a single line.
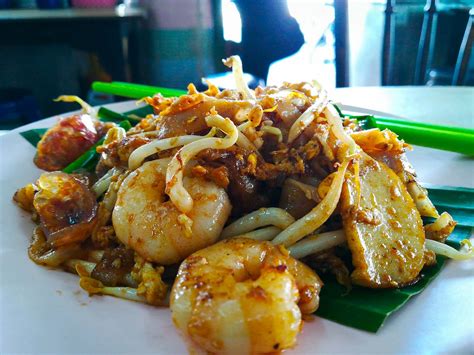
[(449, 105)]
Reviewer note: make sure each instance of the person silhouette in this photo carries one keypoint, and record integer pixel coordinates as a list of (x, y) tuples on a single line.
[(269, 33)]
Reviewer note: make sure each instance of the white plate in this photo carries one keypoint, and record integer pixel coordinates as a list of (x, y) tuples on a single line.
[(44, 310)]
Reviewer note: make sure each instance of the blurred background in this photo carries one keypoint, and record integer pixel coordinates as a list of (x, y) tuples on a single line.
[(54, 47)]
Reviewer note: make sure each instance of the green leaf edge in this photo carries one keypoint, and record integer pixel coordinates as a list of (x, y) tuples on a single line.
[(334, 308)]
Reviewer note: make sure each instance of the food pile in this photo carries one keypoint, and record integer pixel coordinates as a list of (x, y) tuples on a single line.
[(225, 205)]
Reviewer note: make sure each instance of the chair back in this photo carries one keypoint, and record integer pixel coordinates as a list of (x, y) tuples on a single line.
[(465, 52), (439, 44)]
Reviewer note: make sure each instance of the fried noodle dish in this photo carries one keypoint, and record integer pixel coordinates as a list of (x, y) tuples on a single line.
[(224, 205)]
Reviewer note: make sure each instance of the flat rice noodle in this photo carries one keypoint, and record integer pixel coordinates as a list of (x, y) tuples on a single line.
[(192, 120), (384, 230)]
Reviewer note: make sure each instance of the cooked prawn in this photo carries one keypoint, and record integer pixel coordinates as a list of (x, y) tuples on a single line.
[(148, 222), (243, 296)]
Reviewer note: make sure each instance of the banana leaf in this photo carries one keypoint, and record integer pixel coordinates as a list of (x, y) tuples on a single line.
[(367, 309), (33, 136), (457, 201)]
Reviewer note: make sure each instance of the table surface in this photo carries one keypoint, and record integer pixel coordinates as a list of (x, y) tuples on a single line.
[(71, 13), (449, 105)]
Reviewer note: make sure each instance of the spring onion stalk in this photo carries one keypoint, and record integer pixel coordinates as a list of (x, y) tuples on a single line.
[(452, 141), (375, 119), (384, 120), (107, 115), (84, 159), (89, 156), (134, 91), (103, 183)]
